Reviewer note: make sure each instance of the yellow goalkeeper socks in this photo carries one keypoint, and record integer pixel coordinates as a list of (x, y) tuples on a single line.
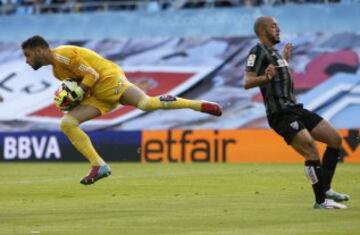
[(80, 140), (168, 102)]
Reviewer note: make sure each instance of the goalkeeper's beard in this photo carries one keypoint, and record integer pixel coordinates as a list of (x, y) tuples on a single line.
[(36, 66)]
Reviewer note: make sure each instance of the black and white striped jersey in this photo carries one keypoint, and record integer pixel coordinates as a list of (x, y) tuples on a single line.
[(278, 94)]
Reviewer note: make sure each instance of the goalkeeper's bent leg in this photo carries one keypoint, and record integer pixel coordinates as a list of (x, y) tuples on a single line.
[(81, 141)]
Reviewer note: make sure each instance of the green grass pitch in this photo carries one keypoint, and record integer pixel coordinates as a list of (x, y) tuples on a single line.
[(171, 199)]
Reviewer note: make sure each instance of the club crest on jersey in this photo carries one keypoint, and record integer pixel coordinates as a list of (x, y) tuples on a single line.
[(295, 125), (251, 60)]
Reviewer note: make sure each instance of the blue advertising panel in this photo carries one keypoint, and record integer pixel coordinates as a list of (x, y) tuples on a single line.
[(54, 146)]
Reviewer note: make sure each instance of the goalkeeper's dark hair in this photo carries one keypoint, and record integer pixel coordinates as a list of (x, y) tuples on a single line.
[(35, 41)]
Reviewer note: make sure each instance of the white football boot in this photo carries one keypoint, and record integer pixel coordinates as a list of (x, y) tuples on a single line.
[(329, 204), (338, 197)]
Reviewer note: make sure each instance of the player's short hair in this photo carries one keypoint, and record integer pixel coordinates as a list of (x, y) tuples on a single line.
[(257, 28), (35, 41), (260, 23)]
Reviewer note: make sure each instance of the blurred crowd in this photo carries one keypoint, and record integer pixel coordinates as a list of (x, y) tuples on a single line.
[(64, 6)]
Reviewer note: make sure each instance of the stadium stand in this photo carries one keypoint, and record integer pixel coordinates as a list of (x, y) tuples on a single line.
[(65, 6)]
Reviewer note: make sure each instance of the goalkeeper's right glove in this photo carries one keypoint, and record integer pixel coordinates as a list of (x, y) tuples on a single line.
[(62, 101)]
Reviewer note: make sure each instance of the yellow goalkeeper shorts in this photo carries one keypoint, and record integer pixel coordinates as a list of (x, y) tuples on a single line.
[(105, 95)]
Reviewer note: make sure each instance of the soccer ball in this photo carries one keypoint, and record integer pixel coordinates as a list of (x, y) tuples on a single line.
[(61, 99), (69, 85)]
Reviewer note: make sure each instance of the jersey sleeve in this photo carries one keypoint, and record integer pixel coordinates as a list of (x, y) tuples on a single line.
[(255, 60), (89, 74), (79, 66)]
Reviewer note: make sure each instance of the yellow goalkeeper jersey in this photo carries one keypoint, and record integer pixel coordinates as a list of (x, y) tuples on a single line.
[(83, 65)]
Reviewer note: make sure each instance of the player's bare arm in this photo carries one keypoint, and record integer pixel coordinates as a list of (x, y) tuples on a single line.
[(251, 80), (287, 51)]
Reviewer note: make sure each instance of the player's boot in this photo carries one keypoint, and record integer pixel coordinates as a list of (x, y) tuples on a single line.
[(96, 173), (211, 108), (329, 204), (338, 197)]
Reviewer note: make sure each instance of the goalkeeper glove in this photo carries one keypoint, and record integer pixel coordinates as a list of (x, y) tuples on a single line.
[(65, 100)]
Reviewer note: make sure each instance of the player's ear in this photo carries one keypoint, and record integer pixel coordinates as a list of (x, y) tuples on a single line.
[(38, 50)]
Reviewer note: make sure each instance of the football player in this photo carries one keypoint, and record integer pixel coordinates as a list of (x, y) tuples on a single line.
[(102, 86), (267, 69)]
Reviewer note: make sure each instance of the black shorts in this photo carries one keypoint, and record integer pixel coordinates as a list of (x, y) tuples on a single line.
[(290, 121)]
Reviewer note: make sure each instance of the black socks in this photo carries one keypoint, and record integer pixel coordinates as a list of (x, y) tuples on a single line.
[(329, 162)]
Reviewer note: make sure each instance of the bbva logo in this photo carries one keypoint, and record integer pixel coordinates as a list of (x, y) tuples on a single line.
[(26, 147)]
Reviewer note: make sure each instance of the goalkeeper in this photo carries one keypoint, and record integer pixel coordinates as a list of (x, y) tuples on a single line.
[(102, 86)]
